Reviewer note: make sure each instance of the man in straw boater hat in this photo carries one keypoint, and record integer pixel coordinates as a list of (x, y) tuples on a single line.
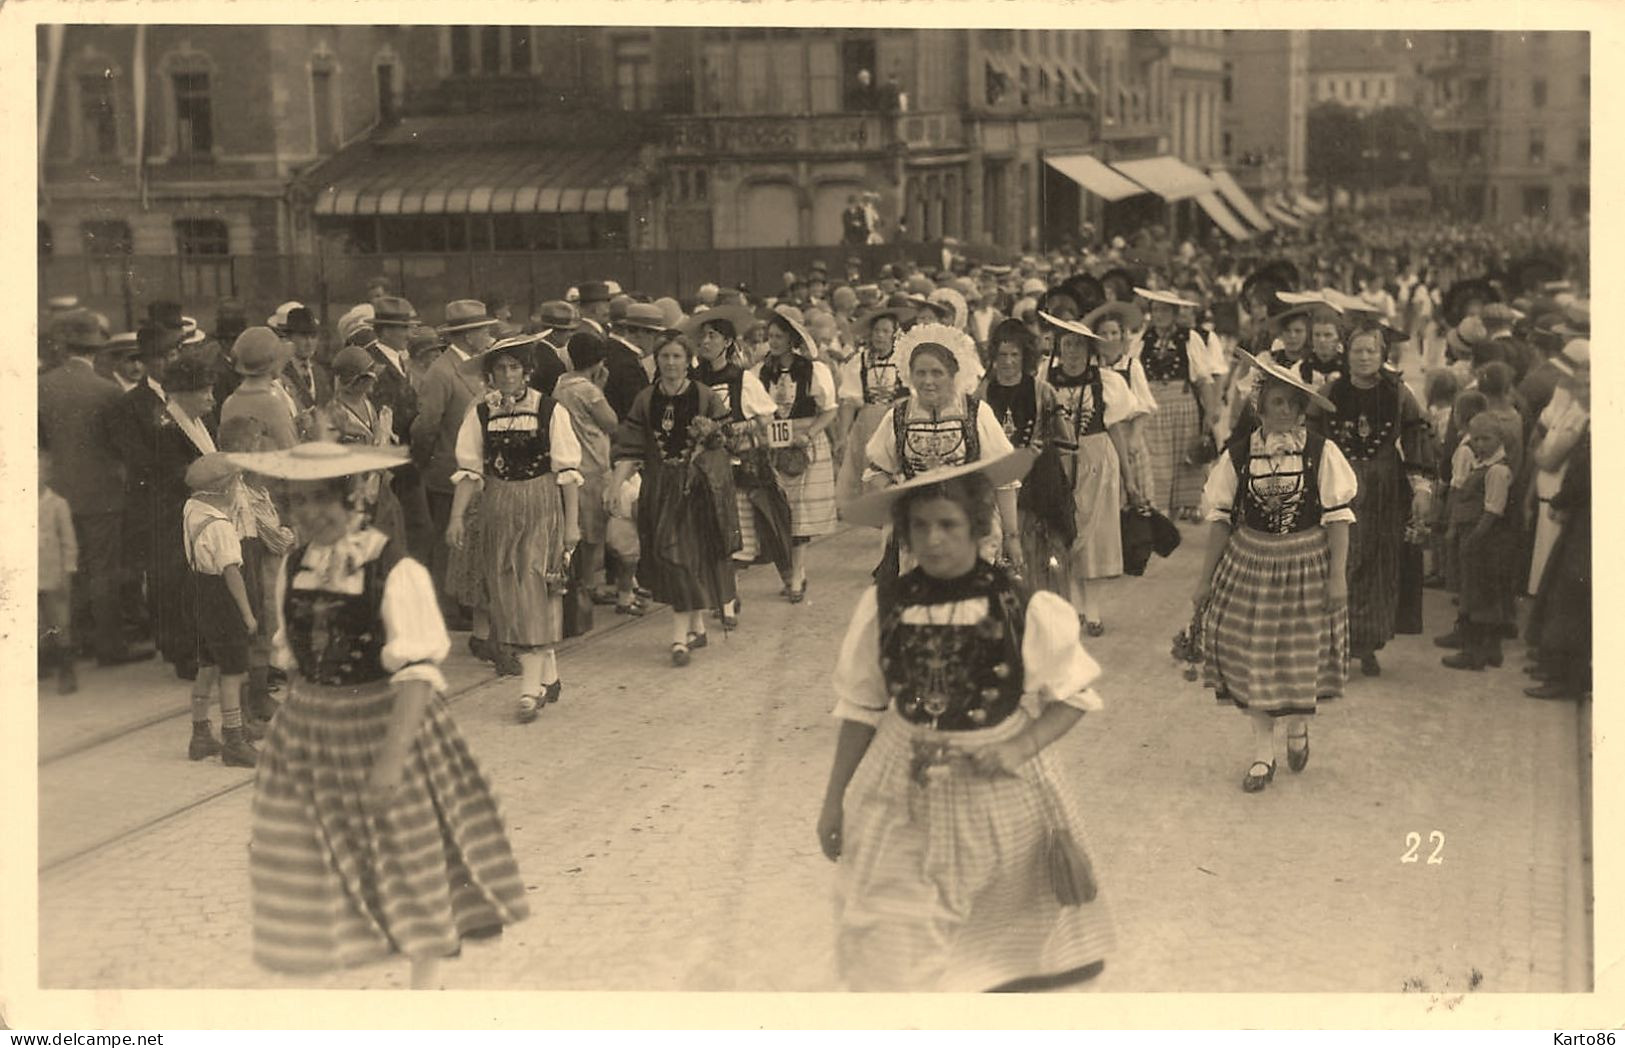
[(443, 401), (928, 689), (1272, 596), (367, 729)]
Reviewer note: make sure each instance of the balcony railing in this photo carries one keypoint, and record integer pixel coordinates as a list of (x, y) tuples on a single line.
[(813, 134)]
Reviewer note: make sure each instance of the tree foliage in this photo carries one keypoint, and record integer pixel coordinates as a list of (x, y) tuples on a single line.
[(1381, 149)]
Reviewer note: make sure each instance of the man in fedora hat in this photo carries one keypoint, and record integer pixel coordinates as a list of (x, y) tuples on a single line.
[(630, 356), (555, 323), (392, 321), (593, 301), (305, 379), (75, 404), (165, 316), (258, 356), (120, 361), (443, 403)]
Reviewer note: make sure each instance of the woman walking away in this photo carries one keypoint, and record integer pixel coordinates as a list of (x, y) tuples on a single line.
[(1273, 592), (518, 449), (961, 860), (374, 833)]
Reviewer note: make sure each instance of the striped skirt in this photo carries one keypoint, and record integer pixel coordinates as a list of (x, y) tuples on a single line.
[(748, 550), (946, 886), (1097, 502), (1271, 644), (465, 574), (522, 559), (1169, 435), (812, 495), (336, 883)]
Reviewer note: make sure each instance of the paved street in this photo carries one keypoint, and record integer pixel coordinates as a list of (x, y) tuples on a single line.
[(663, 820)]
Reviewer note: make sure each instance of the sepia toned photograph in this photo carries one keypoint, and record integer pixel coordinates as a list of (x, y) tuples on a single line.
[(1158, 463)]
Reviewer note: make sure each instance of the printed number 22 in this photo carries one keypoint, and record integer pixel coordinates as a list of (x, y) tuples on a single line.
[(1413, 842)]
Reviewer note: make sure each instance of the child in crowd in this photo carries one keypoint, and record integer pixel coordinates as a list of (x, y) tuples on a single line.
[(1441, 391), (226, 620), (264, 541), (580, 391), (1484, 543), (58, 562)]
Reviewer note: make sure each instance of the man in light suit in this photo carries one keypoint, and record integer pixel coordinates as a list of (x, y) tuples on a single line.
[(443, 402), (74, 404)]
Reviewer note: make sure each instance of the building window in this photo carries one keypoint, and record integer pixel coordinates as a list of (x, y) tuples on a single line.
[(519, 49), (201, 236), (1228, 145), (1229, 82), (106, 238), (1364, 86), (1537, 200), (1537, 93), (384, 74), (47, 247), (1580, 202), (194, 118), (824, 76), (634, 75), (98, 117), (321, 100), (1382, 90), (462, 50), (690, 185), (1537, 146)]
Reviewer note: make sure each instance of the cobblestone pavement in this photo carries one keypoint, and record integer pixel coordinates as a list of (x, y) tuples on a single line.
[(663, 820)]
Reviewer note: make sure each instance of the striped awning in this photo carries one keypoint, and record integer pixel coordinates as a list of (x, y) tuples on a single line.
[(1222, 216), (1094, 176), (1281, 216), (406, 181), (1167, 176), (1238, 199)]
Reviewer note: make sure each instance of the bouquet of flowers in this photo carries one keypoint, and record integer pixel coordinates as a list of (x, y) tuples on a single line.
[(703, 435), (1188, 644)]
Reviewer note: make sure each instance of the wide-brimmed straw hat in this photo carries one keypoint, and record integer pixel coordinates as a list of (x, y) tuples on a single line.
[(1076, 327), (738, 318), (1127, 314), (520, 347), (1271, 369), (1167, 298), (955, 341), (874, 508), (790, 317), (321, 460)]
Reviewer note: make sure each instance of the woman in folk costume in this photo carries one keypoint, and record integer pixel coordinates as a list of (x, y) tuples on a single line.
[(518, 450), (1025, 407), (942, 422), (960, 851), (374, 832), (1272, 597), (1183, 379), (715, 333), (1383, 434), (804, 391), (1115, 323), (1094, 402), (686, 513), (870, 383)]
